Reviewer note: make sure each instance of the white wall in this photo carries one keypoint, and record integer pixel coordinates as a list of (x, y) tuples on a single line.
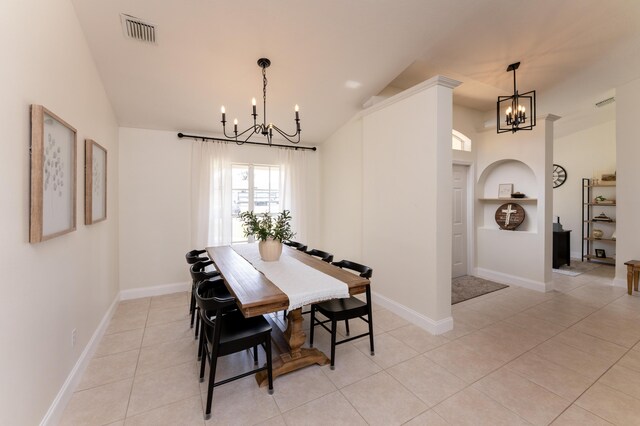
[(583, 154), (519, 257), (49, 288), (341, 171), (155, 204), (407, 201), (627, 157)]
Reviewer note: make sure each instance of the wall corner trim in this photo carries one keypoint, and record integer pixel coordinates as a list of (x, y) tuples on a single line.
[(438, 80), (426, 323), (54, 414)]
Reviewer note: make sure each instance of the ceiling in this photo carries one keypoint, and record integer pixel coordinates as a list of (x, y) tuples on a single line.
[(331, 56)]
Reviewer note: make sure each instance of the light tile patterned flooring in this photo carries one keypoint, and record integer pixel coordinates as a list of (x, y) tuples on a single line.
[(569, 357)]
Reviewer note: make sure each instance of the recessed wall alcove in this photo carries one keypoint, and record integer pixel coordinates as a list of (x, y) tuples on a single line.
[(523, 179)]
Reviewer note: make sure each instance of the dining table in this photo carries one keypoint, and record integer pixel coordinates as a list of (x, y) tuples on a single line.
[(256, 295)]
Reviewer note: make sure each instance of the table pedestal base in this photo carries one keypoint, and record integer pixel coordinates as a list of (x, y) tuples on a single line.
[(288, 353)]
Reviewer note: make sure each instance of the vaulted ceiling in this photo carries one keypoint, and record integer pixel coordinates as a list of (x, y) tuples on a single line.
[(331, 56)]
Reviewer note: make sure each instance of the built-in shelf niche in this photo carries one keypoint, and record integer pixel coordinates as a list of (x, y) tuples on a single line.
[(523, 180)]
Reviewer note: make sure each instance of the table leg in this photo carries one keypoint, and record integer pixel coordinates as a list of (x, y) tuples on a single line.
[(290, 355), (629, 278), (636, 273)]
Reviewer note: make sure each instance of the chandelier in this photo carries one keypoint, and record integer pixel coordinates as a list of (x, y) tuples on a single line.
[(515, 108), (263, 128)]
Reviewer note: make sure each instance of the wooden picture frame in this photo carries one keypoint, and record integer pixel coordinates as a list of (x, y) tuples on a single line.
[(95, 182), (601, 254), (505, 190), (53, 176)]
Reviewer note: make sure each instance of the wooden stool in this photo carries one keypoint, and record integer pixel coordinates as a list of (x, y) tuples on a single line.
[(633, 272)]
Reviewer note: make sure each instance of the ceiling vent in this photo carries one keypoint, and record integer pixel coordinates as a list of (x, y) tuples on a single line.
[(605, 102), (138, 29)]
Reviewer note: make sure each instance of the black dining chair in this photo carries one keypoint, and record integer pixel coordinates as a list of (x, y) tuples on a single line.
[(225, 332), (198, 273), (296, 245), (194, 256), (322, 255), (344, 309)]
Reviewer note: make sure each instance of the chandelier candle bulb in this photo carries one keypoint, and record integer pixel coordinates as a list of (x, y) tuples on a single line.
[(253, 103), (235, 125), (296, 109), (223, 114)]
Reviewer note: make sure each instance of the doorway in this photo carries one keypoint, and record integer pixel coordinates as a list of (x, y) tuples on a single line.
[(459, 258)]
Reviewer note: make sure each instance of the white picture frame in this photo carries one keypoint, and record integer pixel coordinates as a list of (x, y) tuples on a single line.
[(505, 190)]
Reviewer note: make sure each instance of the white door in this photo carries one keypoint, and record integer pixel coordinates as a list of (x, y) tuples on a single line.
[(459, 243)]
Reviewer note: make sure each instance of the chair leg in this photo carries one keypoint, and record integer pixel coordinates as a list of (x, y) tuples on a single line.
[(346, 324), (200, 346), (334, 326), (203, 357), (212, 377), (192, 307), (370, 318), (198, 321), (312, 325), (255, 355), (269, 364)]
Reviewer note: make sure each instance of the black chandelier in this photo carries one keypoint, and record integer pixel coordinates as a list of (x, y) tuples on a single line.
[(515, 117), (263, 128)]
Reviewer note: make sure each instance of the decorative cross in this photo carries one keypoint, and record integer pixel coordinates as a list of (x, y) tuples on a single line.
[(508, 211)]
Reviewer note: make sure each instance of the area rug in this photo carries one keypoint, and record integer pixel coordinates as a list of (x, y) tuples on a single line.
[(577, 267), (467, 287)]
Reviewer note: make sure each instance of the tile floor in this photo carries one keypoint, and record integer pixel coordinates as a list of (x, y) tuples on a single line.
[(569, 357)]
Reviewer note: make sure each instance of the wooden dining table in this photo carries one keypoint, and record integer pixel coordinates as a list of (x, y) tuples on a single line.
[(256, 295)]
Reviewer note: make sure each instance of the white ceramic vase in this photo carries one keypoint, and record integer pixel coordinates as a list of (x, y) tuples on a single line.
[(270, 250)]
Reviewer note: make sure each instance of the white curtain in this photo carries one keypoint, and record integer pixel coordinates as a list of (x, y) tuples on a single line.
[(210, 194), (294, 169)]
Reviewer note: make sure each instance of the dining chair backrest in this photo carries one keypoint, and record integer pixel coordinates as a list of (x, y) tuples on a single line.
[(198, 272), (194, 256), (296, 245), (363, 270), (207, 302), (323, 255)]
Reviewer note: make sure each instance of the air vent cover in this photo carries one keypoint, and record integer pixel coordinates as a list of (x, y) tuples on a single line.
[(138, 29), (605, 102)]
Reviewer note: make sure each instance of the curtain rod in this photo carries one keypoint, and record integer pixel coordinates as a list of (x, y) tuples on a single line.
[(208, 138)]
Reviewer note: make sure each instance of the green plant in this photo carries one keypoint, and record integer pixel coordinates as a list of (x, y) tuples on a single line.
[(600, 199), (265, 226)]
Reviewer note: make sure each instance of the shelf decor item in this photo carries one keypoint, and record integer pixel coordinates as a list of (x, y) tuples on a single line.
[(518, 195), (600, 253), (53, 176), (505, 190), (95, 182), (269, 231), (509, 216), (597, 233)]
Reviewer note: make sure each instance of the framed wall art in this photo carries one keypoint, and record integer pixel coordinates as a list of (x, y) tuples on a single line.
[(95, 182), (53, 176), (505, 190)]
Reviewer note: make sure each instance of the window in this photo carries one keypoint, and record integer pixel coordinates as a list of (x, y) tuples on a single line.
[(460, 142), (253, 187)]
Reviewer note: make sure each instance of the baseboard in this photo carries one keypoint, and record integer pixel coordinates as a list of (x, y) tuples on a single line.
[(620, 282), (54, 414), (157, 290), (507, 279), (432, 326)]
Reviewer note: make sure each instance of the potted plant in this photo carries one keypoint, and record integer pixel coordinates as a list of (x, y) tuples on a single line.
[(269, 231)]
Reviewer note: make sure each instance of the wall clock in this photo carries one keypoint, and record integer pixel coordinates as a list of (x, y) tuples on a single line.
[(559, 175), (509, 216)]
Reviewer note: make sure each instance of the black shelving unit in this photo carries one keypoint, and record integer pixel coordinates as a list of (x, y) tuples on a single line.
[(587, 221)]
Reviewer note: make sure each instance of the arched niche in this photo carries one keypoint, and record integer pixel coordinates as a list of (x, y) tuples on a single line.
[(507, 171)]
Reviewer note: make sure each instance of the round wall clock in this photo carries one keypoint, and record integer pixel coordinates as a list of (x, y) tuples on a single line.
[(509, 216), (559, 175)]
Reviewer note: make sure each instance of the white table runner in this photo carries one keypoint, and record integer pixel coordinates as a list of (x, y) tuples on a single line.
[(301, 283)]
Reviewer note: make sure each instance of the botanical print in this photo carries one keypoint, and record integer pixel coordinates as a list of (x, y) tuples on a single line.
[(99, 183), (57, 174)]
